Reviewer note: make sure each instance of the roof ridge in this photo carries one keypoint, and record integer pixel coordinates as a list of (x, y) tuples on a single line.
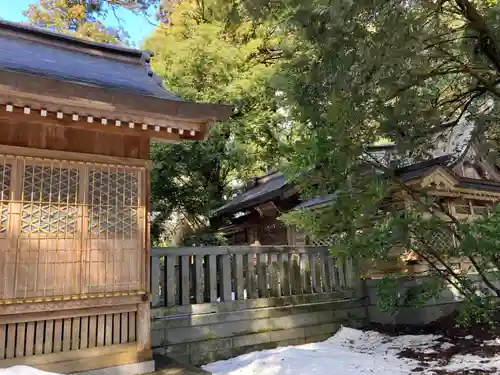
[(57, 39)]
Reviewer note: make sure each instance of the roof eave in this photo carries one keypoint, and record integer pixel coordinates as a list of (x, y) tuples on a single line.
[(22, 89)]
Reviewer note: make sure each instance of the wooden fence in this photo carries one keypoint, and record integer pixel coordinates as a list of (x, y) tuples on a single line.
[(195, 275)]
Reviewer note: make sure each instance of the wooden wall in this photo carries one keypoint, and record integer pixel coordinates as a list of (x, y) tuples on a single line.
[(61, 138), (74, 329)]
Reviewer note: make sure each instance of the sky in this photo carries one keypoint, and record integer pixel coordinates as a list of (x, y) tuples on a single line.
[(137, 26)]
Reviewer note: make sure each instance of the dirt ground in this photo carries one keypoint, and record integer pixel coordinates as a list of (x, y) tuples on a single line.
[(454, 341)]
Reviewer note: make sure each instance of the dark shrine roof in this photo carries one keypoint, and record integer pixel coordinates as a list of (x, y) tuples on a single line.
[(266, 187), (271, 188), (30, 50)]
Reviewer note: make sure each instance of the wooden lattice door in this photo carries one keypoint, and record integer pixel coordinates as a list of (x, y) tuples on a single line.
[(70, 229)]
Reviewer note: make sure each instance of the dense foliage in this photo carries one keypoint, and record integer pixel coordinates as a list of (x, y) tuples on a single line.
[(211, 51), (402, 71)]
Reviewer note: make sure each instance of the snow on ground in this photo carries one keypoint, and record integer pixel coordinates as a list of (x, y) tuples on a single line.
[(352, 351)]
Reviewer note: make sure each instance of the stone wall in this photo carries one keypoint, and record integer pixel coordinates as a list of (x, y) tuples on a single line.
[(203, 333)]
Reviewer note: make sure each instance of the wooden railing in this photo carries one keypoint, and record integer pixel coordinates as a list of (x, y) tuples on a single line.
[(193, 275)]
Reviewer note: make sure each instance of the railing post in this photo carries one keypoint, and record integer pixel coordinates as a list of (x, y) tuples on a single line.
[(155, 281), (169, 277), (198, 278), (225, 278)]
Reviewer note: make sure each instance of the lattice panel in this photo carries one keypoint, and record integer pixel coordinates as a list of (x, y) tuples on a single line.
[(114, 220), (109, 188), (48, 218), (5, 180), (324, 241), (441, 239), (114, 199), (50, 184)]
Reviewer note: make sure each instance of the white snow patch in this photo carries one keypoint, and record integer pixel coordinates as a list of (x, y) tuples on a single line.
[(350, 351)]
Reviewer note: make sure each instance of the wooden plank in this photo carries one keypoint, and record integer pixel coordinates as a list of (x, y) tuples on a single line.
[(211, 277), (48, 345), (251, 282), (305, 274), (101, 329), (30, 339), (184, 283), (93, 331), (225, 278), (39, 337), (349, 273), (66, 358), (3, 340), (262, 275), (313, 272), (221, 250), (329, 274), (272, 267), (155, 282), (295, 275), (124, 328), (108, 330), (116, 328), (198, 278), (84, 332), (75, 333), (321, 273), (58, 336), (239, 277), (20, 339), (283, 262), (66, 338), (132, 327), (60, 307), (10, 351), (169, 275), (340, 262)]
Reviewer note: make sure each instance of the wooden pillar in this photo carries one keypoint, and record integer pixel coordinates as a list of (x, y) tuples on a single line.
[(143, 330)]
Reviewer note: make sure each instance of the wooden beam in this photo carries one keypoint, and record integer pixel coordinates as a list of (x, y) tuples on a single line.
[(23, 308), (64, 314), (18, 115), (73, 156), (83, 359)]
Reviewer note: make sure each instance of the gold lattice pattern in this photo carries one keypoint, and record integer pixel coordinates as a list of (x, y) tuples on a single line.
[(113, 188), (47, 184), (121, 221), (45, 218), (5, 178)]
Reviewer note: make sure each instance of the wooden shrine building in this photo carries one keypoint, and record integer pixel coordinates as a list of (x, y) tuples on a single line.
[(76, 120), (468, 184)]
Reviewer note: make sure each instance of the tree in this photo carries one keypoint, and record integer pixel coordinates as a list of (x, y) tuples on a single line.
[(84, 18), (406, 71), (211, 51)]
